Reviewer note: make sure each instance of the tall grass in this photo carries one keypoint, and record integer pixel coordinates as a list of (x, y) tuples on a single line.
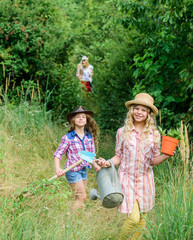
[(26, 142), (28, 139), (172, 215)]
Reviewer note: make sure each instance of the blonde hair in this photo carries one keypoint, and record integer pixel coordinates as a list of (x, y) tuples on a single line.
[(150, 124), (91, 127), (87, 63)]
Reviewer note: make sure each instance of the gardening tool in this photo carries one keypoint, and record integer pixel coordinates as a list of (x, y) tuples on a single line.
[(67, 169), (84, 155), (88, 159), (109, 188), (87, 156)]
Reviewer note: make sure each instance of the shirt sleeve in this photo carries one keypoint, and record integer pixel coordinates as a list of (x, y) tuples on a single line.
[(92, 146), (91, 67), (119, 143), (157, 144), (62, 147)]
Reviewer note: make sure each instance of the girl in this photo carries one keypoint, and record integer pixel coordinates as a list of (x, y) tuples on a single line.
[(137, 151), (82, 135), (86, 73)]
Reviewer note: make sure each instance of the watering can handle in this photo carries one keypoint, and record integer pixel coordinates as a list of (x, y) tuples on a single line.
[(113, 170)]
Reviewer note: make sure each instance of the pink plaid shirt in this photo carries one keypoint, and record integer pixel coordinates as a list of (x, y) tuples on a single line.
[(135, 170), (71, 144)]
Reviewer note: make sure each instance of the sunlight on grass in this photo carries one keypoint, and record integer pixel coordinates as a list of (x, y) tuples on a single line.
[(28, 140)]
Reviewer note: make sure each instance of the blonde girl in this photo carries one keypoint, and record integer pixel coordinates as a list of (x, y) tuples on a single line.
[(86, 73), (137, 151), (82, 135)]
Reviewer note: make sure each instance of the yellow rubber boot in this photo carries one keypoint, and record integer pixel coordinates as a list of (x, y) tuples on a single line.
[(130, 225), (140, 226)]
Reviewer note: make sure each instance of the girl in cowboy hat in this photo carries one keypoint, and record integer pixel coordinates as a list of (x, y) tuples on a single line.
[(137, 151), (82, 135)]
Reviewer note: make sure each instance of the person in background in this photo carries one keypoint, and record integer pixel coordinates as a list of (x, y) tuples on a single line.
[(82, 136), (78, 70), (86, 73), (137, 151)]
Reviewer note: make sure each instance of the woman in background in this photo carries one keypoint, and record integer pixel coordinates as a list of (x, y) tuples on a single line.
[(86, 73)]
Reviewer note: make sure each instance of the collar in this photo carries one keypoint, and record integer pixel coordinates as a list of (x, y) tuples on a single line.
[(73, 133), (133, 128)]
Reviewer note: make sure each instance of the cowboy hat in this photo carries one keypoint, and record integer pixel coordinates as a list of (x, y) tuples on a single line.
[(79, 109), (145, 100)]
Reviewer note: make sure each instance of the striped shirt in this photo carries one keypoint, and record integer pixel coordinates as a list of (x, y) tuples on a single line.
[(71, 144), (135, 170)]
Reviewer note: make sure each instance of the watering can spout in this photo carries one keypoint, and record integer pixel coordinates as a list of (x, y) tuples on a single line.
[(94, 194)]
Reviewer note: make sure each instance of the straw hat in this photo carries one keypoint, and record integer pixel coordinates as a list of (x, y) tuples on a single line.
[(143, 99), (79, 109)]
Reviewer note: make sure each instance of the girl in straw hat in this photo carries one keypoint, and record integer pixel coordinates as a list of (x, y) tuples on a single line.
[(82, 135), (137, 151)]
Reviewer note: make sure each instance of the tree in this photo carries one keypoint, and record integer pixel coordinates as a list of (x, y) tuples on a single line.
[(164, 68), (35, 38)]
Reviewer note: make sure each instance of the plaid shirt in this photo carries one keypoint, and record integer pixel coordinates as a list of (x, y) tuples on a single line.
[(135, 170), (71, 144)]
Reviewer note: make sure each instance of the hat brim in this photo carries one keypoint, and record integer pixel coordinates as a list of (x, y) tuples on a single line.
[(71, 115), (138, 102)]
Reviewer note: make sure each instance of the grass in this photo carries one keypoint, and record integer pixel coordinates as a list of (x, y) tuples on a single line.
[(173, 210), (28, 140)]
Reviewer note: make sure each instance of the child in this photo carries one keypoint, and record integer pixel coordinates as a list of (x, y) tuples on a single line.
[(137, 151), (82, 135)]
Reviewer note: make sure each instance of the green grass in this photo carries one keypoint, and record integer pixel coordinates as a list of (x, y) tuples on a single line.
[(28, 140), (172, 215)]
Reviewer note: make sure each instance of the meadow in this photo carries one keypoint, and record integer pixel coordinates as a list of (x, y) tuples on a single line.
[(28, 139)]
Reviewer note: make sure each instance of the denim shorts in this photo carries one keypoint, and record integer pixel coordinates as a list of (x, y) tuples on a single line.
[(78, 176)]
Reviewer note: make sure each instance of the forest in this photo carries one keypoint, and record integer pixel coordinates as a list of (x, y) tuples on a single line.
[(134, 47)]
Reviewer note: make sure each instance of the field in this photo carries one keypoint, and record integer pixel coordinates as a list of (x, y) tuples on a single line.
[(28, 139)]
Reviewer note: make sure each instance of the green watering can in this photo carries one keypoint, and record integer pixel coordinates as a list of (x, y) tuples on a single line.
[(109, 188)]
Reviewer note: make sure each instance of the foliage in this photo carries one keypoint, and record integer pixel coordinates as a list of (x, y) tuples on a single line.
[(134, 46), (34, 40), (28, 31), (164, 67), (112, 51), (174, 133), (174, 221), (113, 83)]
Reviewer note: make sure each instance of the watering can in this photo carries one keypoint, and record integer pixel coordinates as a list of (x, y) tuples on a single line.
[(108, 183), (109, 188)]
